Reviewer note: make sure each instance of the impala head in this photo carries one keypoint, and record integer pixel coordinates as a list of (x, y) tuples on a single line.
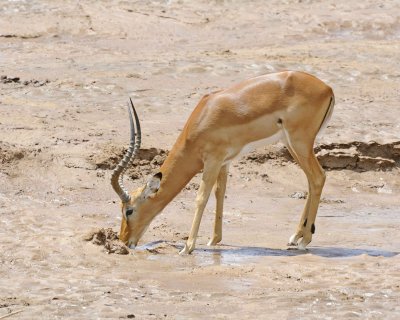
[(135, 206)]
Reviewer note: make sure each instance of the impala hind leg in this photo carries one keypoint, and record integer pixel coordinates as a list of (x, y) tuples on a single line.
[(299, 233), (304, 155), (220, 188), (210, 174)]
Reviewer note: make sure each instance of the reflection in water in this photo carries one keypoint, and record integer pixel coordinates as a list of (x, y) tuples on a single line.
[(244, 255), (150, 246)]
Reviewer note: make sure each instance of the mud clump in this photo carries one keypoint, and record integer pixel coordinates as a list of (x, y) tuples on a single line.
[(108, 239), (304, 194), (7, 302), (10, 154), (299, 195), (36, 83), (5, 79), (146, 162), (192, 186)]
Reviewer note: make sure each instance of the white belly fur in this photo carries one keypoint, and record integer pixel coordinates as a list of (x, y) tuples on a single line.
[(259, 143)]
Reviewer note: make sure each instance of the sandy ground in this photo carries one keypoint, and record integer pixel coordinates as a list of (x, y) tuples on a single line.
[(67, 70)]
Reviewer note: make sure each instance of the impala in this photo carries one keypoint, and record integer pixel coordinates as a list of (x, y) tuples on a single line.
[(289, 106)]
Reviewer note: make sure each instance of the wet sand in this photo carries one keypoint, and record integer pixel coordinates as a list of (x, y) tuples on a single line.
[(67, 70)]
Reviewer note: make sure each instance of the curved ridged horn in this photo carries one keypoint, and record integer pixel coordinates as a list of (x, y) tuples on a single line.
[(118, 173)]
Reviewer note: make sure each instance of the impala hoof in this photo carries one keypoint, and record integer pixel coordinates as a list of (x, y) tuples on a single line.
[(186, 250), (214, 241), (304, 242), (294, 239)]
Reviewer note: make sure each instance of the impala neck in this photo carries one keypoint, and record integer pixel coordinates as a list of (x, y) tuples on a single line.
[(178, 169)]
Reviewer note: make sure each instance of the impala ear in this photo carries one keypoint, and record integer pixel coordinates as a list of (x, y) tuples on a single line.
[(152, 185)]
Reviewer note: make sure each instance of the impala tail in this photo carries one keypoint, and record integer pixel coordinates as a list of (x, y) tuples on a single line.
[(328, 115)]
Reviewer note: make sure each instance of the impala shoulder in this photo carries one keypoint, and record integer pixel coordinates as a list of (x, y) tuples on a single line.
[(196, 120)]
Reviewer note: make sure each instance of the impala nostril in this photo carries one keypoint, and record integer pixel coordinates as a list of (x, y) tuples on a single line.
[(128, 212)]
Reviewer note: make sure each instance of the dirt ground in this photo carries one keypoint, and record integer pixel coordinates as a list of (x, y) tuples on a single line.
[(67, 69)]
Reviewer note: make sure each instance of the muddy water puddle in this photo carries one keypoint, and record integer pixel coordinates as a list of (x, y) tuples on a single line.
[(167, 252)]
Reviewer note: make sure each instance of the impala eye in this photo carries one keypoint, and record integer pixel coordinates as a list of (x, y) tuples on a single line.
[(128, 212)]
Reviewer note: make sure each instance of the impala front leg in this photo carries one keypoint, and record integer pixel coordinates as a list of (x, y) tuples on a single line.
[(209, 177), (220, 188)]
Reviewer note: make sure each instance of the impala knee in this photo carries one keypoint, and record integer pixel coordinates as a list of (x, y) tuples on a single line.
[(322, 178), (200, 199), (318, 182)]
